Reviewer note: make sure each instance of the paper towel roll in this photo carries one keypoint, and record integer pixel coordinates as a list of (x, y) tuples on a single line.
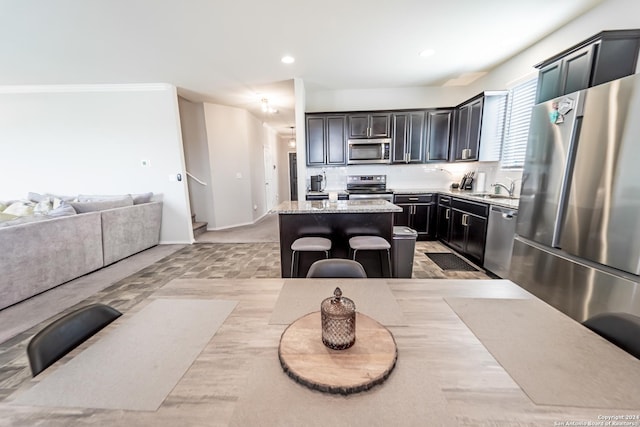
[(481, 180)]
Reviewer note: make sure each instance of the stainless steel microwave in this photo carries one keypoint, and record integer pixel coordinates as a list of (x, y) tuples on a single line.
[(365, 151)]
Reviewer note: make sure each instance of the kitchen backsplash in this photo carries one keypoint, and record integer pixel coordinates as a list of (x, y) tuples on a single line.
[(421, 176)]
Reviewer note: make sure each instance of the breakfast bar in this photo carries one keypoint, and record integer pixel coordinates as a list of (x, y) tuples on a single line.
[(337, 221)]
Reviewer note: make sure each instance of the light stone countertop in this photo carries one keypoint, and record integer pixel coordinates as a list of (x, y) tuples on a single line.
[(341, 206), (469, 195)]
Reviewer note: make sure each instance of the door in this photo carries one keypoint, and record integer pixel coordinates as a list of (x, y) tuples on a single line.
[(576, 70), (421, 220), (336, 144), (404, 217), (444, 223), (270, 179), (545, 169), (475, 239), (601, 222), (462, 132), (458, 230), (315, 140), (415, 148), (399, 137), (475, 123), (293, 176), (438, 135)]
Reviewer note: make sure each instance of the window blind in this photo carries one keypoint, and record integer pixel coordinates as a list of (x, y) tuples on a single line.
[(521, 101)]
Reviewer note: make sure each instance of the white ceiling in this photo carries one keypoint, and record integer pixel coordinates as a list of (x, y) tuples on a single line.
[(228, 51)]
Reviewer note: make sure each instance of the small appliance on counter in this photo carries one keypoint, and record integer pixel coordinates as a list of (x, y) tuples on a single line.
[(316, 183)]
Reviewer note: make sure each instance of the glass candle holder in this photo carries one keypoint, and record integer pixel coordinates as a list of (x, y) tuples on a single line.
[(338, 315)]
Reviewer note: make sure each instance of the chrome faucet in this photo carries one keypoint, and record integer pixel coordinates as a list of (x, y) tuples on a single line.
[(510, 189)]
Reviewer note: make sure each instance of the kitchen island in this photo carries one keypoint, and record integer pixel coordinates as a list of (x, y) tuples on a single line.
[(337, 221)]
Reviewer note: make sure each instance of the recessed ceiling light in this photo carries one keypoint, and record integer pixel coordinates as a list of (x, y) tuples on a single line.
[(427, 52), (288, 59)]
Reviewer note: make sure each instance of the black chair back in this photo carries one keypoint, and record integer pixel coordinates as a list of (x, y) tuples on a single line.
[(621, 329), (336, 268)]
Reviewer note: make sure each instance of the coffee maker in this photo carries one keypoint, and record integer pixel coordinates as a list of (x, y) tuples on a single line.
[(316, 183)]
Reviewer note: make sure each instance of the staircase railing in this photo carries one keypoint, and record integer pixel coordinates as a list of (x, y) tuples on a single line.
[(199, 181)]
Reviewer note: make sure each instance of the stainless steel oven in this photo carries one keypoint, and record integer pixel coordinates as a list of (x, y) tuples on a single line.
[(368, 187), (366, 151)]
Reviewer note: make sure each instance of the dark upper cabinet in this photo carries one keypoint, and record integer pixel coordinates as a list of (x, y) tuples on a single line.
[(407, 133), (479, 127), (326, 143), (467, 138), (438, 135), (607, 56), (369, 125)]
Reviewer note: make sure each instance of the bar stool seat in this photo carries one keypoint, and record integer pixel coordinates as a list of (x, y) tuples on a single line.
[(370, 243), (308, 244)]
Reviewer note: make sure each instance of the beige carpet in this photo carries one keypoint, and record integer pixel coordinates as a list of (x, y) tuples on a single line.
[(411, 396), (529, 337), (137, 363), (372, 297)]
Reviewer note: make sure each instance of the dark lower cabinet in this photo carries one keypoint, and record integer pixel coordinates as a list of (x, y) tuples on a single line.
[(418, 213), (444, 219), (469, 228)]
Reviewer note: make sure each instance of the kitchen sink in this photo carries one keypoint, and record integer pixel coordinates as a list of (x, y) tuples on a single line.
[(494, 196)]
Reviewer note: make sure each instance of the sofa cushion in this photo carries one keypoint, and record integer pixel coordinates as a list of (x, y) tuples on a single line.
[(21, 208), (100, 197), (101, 205), (63, 209), (138, 199), (7, 217), (42, 207)]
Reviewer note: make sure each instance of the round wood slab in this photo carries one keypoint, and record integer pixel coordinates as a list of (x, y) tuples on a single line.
[(307, 360)]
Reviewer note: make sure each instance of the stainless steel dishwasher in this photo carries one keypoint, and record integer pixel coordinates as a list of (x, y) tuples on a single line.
[(499, 245)]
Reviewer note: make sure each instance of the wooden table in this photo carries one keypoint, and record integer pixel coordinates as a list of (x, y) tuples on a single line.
[(306, 359), (458, 380)]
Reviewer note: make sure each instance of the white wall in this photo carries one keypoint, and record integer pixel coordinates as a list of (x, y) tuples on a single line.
[(383, 99), (236, 143), (230, 167), (196, 149), (610, 15), (91, 140)]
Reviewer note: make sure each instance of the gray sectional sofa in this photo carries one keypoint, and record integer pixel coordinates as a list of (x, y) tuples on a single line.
[(37, 256)]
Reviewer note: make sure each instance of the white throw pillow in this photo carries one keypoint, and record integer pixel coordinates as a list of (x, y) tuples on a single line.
[(20, 209)]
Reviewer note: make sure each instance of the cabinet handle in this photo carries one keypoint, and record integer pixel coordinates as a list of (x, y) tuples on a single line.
[(465, 221), (414, 198), (446, 214)]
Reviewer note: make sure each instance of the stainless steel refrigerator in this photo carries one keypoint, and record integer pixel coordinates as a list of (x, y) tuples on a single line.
[(577, 242)]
